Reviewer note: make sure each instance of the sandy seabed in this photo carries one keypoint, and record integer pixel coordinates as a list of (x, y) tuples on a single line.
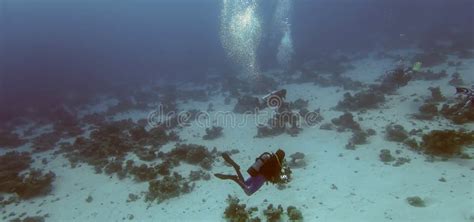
[(336, 185)]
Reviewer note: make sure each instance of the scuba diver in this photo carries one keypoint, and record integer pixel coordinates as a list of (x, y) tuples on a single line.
[(268, 167), (275, 98), (468, 96), (284, 119)]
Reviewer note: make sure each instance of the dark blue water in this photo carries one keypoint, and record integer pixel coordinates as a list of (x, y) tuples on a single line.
[(52, 48)]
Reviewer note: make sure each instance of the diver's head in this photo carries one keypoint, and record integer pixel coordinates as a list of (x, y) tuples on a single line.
[(282, 93), (280, 154)]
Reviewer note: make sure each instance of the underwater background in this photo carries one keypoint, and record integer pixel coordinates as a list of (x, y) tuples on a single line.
[(121, 110)]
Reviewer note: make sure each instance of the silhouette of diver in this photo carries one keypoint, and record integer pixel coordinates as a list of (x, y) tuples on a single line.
[(267, 168)]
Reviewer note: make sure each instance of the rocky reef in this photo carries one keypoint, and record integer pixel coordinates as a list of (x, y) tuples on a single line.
[(429, 75), (168, 187), (360, 101), (346, 122), (446, 143), (430, 58), (9, 139), (247, 104), (391, 81), (395, 133), (436, 95), (427, 111), (458, 113), (213, 133), (238, 212), (27, 185)]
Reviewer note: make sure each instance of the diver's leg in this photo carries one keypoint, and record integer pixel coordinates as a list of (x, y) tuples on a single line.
[(236, 179), (241, 178), (234, 164), (225, 177), (230, 160), (244, 186), (252, 184)]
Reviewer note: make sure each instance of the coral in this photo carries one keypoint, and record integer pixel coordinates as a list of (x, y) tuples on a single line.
[(29, 219), (193, 154), (143, 173), (210, 107), (283, 121), (132, 197), (10, 139), (297, 160), (456, 80), (139, 133), (458, 113), (266, 131), (427, 111), (361, 100), (431, 58), (294, 214), (168, 187), (411, 143), (429, 75), (299, 104), (111, 141), (395, 133), (436, 95), (198, 175), (145, 154), (385, 156), (94, 119), (164, 168), (400, 161), (236, 212), (391, 81), (213, 133), (346, 121), (66, 123), (45, 141), (416, 201), (293, 131), (446, 143), (273, 214), (12, 164), (359, 137), (247, 104), (114, 167), (371, 132), (311, 118), (35, 183)]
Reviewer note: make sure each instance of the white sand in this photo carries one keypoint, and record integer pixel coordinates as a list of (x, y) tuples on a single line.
[(367, 189)]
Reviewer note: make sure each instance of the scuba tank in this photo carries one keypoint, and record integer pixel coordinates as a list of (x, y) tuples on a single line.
[(259, 162)]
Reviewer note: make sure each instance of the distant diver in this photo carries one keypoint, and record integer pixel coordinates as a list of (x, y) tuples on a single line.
[(268, 167), (469, 95), (416, 67), (277, 94)]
